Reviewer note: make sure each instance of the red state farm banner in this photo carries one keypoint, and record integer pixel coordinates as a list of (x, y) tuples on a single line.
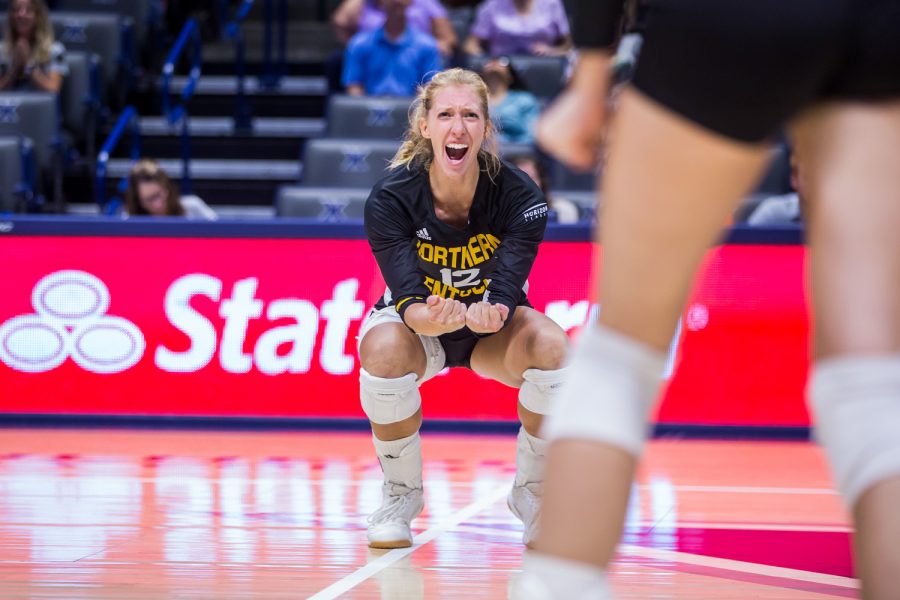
[(267, 328)]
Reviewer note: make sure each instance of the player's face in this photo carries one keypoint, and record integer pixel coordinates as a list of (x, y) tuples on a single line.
[(455, 126)]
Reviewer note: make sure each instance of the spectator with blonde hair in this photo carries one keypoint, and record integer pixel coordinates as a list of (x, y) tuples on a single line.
[(30, 59)]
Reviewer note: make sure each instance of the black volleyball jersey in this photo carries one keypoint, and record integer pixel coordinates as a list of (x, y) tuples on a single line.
[(420, 255)]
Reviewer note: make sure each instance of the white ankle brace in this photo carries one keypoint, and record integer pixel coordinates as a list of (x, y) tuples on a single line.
[(401, 460)]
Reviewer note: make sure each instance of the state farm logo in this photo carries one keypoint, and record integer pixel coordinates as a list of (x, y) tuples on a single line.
[(70, 320)]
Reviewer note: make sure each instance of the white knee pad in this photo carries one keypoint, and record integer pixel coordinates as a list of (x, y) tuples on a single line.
[(857, 411), (540, 388), (388, 400), (609, 392)]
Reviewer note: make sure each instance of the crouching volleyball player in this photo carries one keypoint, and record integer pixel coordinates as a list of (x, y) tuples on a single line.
[(455, 231)]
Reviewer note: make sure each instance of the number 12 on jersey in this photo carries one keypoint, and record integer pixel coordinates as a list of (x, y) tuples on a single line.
[(461, 278)]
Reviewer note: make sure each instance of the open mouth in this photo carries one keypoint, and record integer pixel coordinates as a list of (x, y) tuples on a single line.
[(456, 152)]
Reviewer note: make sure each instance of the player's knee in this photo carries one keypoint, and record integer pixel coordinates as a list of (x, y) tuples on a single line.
[(540, 388), (546, 344), (387, 400), (391, 351), (856, 401), (609, 393)]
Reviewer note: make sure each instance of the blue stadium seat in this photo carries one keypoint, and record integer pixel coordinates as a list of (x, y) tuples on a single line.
[(544, 76), (35, 115), (564, 178), (321, 203), (81, 98), (16, 174), (346, 163), (364, 117), (106, 35), (141, 12)]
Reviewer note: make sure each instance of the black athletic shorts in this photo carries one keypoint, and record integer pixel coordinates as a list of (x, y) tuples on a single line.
[(743, 67), (458, 347)]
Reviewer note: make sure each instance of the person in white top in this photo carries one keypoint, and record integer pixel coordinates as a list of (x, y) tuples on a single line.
[(151, 192)]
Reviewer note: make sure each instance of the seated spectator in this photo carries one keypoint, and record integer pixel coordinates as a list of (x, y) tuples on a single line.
[(506, 27), (561, 209), (781, 209), (392, 60), (151, 192), (30, 59), (514, 110), (425, 16)]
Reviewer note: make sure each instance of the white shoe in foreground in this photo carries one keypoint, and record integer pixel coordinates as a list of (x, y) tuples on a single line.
[(546, 577), (525, 502), (389, 525)]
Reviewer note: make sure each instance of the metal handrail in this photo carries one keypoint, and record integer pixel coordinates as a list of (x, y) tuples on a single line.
[(128, 121), (272, 72), (190, 33), (243, 113)]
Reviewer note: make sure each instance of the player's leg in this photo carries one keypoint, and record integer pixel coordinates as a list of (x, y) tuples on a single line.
[(393, 362), (849, 153), (669, 188), (528, 354)]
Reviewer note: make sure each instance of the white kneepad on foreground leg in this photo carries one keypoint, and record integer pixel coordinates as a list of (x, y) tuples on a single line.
[(857, 412), (388, 400), (610, 389), (540, 388)]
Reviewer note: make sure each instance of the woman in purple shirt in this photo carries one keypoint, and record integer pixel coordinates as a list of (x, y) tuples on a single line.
[(425, 16), (507, 27)]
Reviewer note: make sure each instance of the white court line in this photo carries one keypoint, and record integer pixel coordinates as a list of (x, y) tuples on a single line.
[(740, 526), (740, 489), (738, 565), (382, 562)]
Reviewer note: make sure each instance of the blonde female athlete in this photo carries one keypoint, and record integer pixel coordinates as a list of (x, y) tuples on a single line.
[(455, 231)]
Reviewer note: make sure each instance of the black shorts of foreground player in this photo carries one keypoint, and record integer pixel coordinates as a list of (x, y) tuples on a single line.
[(714, 81), (455, 231)]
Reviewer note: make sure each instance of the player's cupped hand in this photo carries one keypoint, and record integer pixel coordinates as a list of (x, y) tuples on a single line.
[(446, 313), (484, 317)]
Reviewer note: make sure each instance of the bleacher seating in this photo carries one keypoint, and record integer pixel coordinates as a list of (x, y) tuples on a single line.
[(10, 171), (367, 117), (80, 99), (139, 11), (32, 115), (321, 203), (544, 76), (103, 35), (346, 163), (564, 178)]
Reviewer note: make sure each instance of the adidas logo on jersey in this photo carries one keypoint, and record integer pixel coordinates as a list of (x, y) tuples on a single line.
[(422, 234)]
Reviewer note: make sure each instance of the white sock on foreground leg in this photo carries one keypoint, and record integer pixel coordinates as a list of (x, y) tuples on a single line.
[(547, 577)]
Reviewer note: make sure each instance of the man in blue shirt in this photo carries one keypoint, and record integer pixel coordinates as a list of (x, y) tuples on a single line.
[(392, 60)]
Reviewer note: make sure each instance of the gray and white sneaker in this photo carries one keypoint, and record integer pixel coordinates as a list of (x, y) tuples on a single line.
[(525, 502), (389, 525)]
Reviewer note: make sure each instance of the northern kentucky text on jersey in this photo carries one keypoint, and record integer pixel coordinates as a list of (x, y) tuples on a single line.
[(479, 249)]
